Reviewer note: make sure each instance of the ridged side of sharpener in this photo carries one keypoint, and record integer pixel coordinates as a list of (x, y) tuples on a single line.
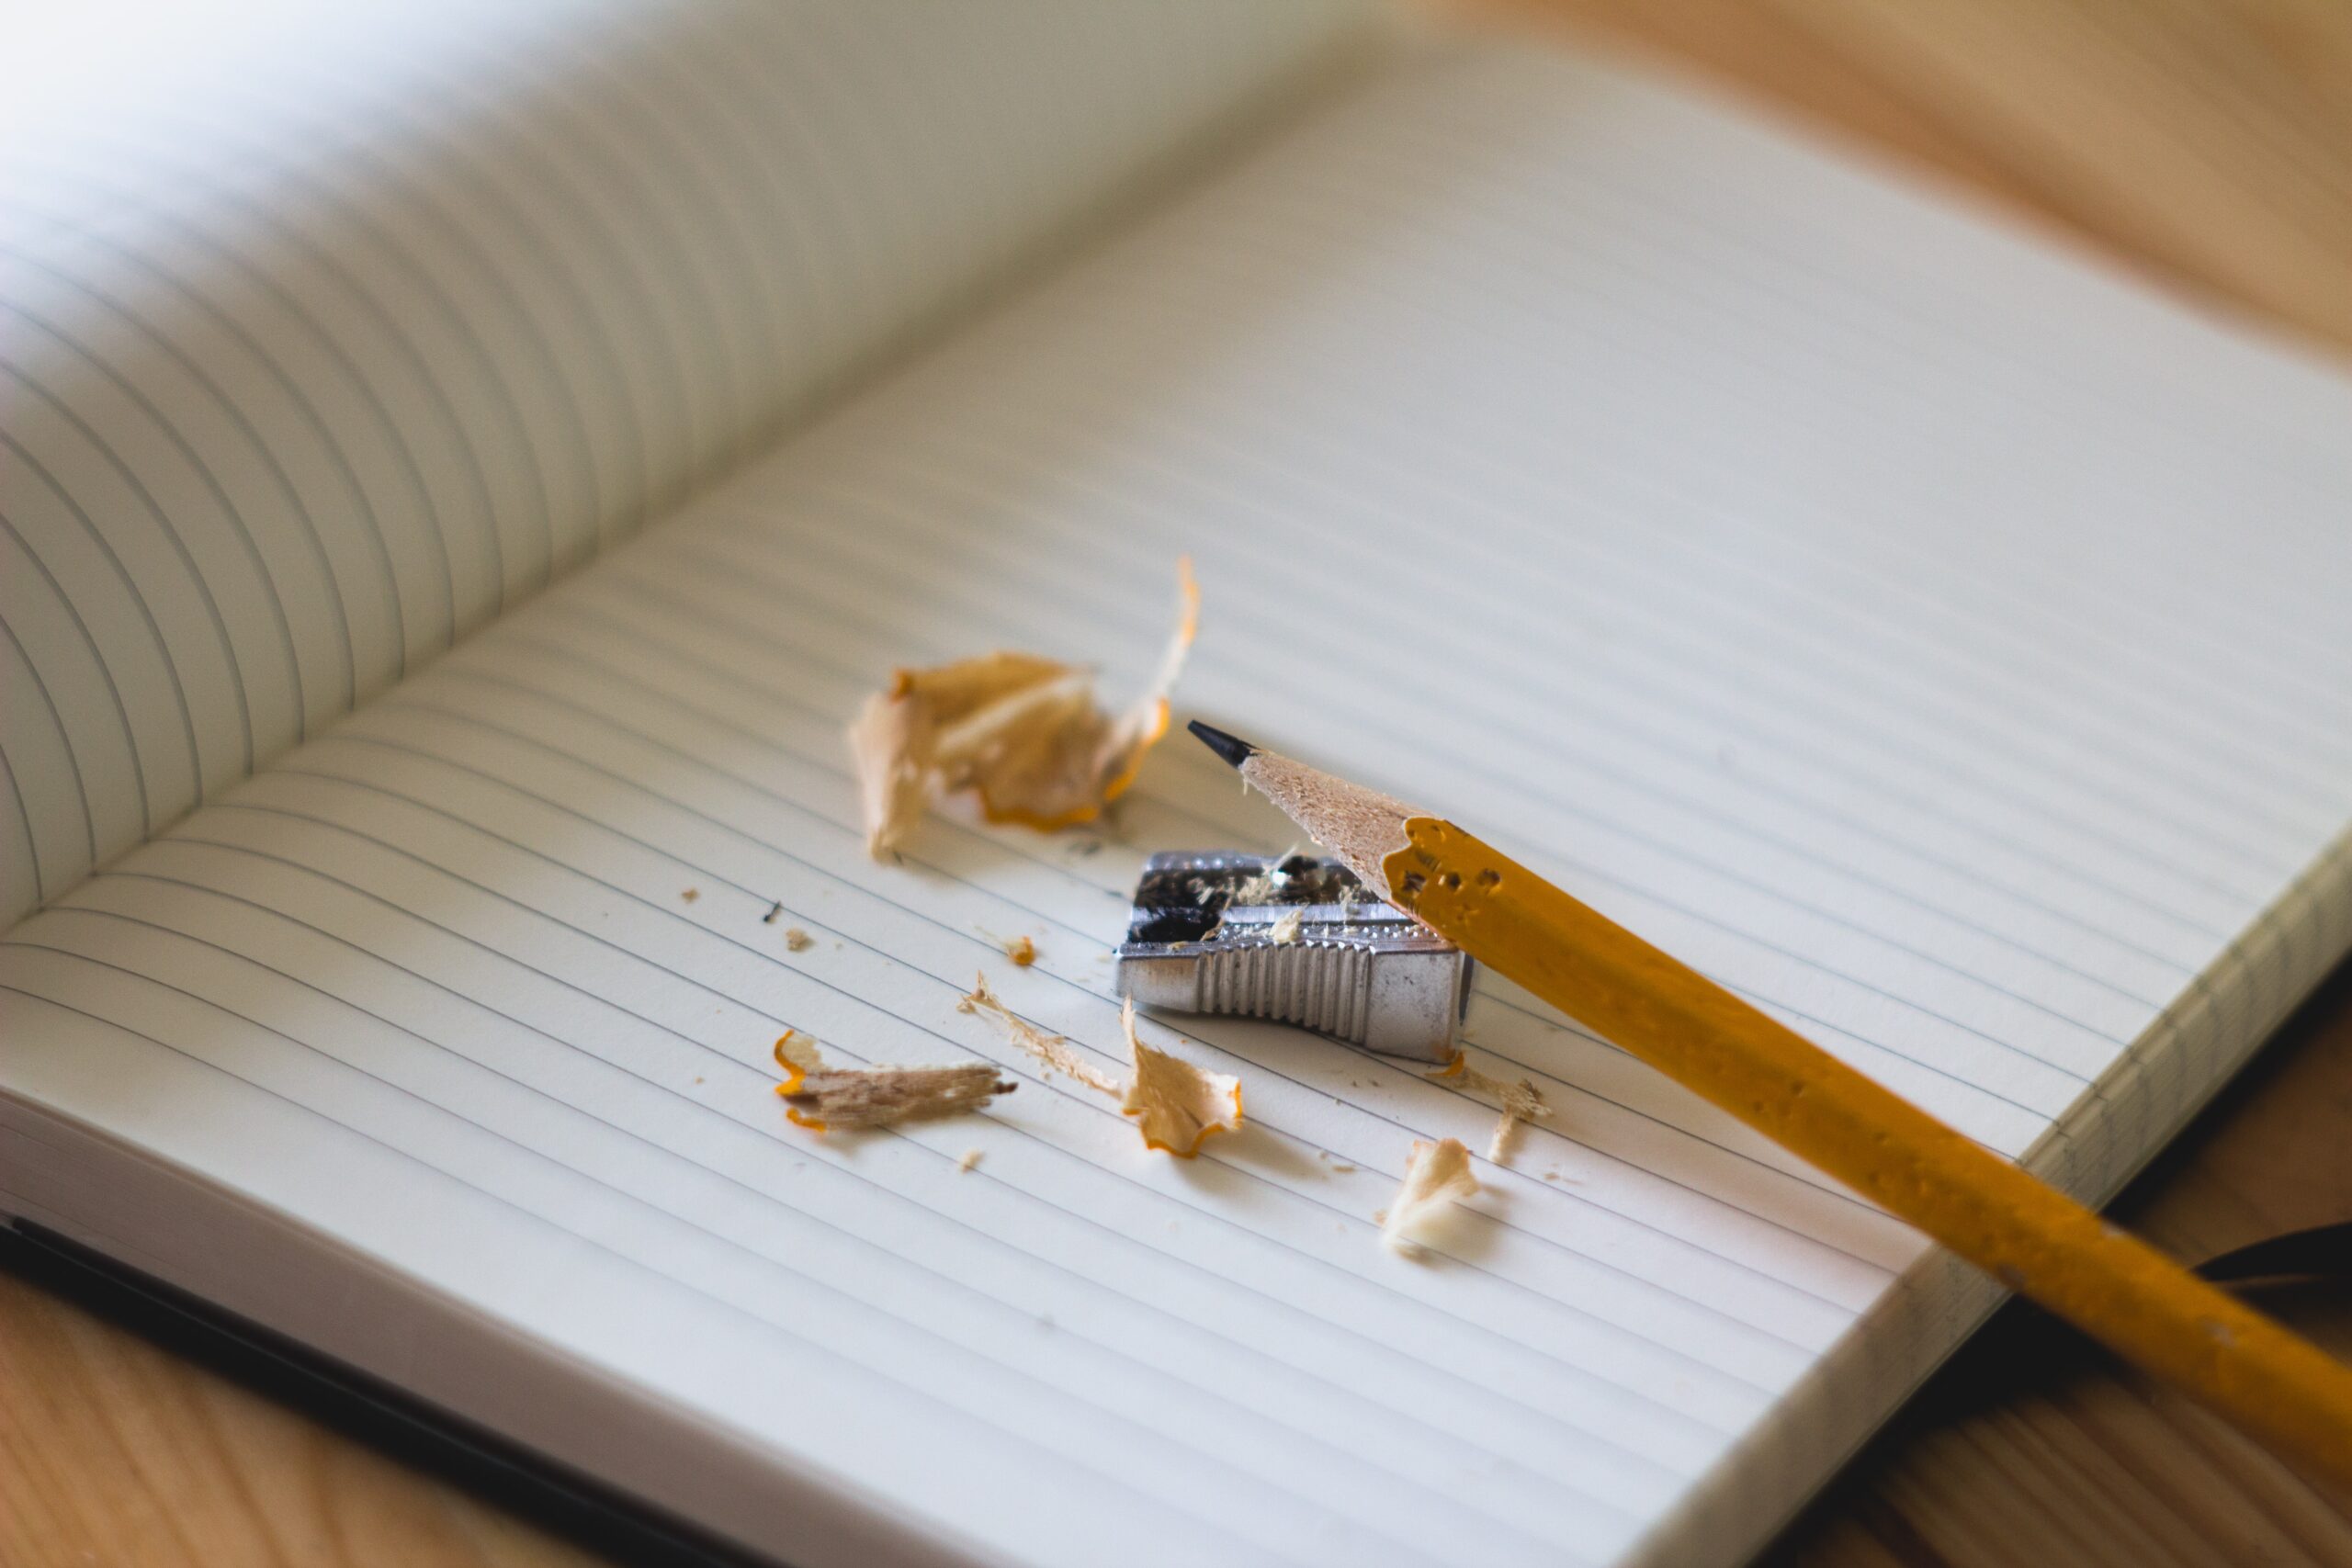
[(1321, 987)]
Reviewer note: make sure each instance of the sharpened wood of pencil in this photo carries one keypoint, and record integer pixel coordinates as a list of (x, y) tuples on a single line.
[(2280, 1389)]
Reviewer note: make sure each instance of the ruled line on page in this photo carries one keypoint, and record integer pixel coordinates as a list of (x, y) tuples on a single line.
[(1325, 697), (1401, 1362), (1382, 484), (1372, 145), (1230, 237), (158, 850), (950, 930), (951, 987), (81, 352), (57, 718), (1820, 1026), (1011, 848), (1658, 183), (771, 1324), (281, 482), (1896, 1058), (1396, 1375), (835, 768), (768, 635), (1363, 474), (592, 715), (1020, 908), (723, 560), (382, 370), (343, 453), (26, 463), (941, 978), (1078, 1381), (631, 581), (1557, 195), (1013, 844)]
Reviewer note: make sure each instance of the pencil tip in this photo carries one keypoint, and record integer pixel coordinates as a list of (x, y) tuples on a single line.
[(1232, 748)]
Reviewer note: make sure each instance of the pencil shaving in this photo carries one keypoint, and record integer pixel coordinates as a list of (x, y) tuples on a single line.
[(880, 1097), (1261, 888), (1050, 1050), (1176, 1104), (1437, 1176), (1520, 1102), (1022, 732), (823, 1099)]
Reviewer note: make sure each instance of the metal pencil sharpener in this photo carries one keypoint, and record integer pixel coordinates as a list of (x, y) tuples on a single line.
[(1297, 940)]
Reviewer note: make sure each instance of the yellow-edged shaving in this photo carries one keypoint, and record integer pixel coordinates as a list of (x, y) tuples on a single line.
[(1022, 732), (1175, 1104), (821, 1098)]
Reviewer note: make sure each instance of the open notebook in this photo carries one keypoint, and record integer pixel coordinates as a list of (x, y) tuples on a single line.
[(461, 473)]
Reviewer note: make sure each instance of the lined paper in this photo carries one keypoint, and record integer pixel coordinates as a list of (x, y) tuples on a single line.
[(328, 333), (1935, 641)]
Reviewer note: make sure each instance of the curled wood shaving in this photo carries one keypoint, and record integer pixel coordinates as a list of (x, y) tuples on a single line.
[(1023, 731), (1436, 1175), (1175, 1104), (821, 1098), (1285, 931), (1051, 1050)]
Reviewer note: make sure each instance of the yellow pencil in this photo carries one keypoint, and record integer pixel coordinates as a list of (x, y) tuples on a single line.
[(2039, 1243)]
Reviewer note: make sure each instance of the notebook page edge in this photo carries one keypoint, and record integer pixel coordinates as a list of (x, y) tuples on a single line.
[(257, 1263)]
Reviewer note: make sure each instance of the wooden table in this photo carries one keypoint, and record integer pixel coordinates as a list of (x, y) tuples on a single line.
[(2207, 144)]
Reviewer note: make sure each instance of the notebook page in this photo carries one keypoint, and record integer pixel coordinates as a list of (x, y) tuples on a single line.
[(327, 333), (1924, 636)]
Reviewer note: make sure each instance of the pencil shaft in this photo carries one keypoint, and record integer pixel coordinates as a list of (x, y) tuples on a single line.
[(2034, 1239)]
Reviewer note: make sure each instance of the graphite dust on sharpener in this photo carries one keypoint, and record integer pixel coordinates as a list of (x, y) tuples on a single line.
[(1294, 938)]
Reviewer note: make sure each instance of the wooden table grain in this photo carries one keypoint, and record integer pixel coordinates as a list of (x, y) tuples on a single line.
[(2207, 145)]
